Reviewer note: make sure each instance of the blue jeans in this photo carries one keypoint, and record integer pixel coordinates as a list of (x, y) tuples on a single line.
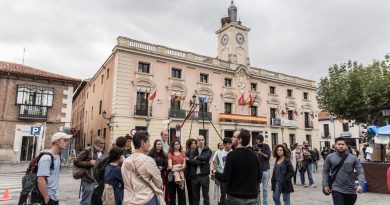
[(86, 192), (277, 193), (265, 181), (307, 168), (231, 200)]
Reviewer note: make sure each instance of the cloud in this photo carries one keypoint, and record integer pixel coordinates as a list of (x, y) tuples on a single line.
[(300, 37)]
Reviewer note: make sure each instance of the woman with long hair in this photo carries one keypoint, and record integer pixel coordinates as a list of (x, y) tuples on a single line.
[(157, 153), (190, 147), (177, 164), (113, 173), (281, 176)]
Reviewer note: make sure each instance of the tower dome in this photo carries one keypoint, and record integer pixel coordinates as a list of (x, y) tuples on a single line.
[(232, 12)]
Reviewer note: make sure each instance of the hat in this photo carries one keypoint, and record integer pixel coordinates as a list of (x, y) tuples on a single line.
[(60, 135)]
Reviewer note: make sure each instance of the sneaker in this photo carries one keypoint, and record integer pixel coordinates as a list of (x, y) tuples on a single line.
[(304, 185), (313, 186)]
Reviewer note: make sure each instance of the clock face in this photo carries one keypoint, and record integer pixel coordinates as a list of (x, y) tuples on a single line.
[(225, 39), (240, 38)]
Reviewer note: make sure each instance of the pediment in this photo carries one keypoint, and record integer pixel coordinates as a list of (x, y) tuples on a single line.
[(144, 82)]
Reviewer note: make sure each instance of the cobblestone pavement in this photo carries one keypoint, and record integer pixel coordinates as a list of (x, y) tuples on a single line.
[(69, 190)]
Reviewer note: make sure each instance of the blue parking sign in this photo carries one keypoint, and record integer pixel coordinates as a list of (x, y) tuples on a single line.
[(35, 130)]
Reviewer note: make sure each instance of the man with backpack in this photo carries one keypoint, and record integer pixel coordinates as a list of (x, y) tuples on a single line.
[(46, 166), (308, 159), (340, 165), (86, 161)]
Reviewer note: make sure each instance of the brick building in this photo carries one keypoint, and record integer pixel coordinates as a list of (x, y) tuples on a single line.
[(34, 104), (228, 91)]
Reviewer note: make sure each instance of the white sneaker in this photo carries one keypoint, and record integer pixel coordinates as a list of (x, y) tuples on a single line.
[(313, 186), (304, 185)]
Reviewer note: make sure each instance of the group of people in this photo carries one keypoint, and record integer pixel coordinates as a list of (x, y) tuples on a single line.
[(159, 174)]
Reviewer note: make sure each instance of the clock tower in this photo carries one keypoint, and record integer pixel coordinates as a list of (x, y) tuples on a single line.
[(233, 39)]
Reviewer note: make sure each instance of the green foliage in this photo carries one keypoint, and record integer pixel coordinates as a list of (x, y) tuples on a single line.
[(355, 92)]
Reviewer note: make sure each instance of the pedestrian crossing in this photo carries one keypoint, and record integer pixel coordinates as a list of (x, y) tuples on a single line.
[(12, 181)]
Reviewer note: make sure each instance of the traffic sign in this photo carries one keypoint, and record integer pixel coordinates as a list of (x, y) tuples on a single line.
[(35, 130)]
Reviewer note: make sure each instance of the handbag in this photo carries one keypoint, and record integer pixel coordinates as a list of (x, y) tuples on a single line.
[(332, 177)]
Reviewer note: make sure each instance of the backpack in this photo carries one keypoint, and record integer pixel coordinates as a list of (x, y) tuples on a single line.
[(30, 192), (101, 163), (98, 190)]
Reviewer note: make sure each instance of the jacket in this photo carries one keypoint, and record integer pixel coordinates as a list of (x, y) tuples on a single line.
[(202, 161), (136, 191), (285, 181), (83, 161)]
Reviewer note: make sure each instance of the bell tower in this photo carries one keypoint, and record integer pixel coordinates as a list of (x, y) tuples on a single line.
[(233, 38)]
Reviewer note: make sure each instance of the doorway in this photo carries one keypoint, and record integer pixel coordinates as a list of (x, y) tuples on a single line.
[(29, 147)]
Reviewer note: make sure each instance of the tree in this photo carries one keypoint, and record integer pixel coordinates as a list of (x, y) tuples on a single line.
[(352, 91)]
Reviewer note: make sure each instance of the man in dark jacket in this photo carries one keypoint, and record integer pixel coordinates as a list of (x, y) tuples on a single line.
[(264, 153), (200, 159), (87, 160), (242, 171)]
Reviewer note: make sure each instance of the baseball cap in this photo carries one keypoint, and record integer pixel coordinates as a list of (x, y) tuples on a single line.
[(60, 135)]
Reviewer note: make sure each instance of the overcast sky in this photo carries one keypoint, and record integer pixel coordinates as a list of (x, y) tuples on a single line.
[(296, 37)]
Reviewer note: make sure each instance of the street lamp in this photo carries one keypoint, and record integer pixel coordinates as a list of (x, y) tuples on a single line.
[(104, 114)]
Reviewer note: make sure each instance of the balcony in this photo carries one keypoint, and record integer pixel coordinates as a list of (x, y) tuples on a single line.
[(177, 113), (198, 115), (142, 110), (33, 112), (309, 124), (289, 123), (223, 117), (276, 122)]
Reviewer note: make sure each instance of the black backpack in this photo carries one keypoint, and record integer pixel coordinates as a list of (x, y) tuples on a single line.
[(30, 192)]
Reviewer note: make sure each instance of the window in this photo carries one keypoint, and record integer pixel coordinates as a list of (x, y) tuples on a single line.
[(176, 102), (92, 113), (141, 107), (290, 114), (108, 73), (228, 82), (205, 134), (308, 123), (203, 108), (104, 133), (204, 78), (100, 107), (308, 139), (144, 67), (254, 111), (326, 130), (176, 73), (272, 90), (86, 116), (292, 140), (34, 95), (305, 95), (253, 86), (345, 127), (228, 108), (98, 132), (93, 89), (289, 93), (101, 81), (274, 140)]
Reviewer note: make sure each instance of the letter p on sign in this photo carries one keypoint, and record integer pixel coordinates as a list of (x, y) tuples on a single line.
[(35, 130)]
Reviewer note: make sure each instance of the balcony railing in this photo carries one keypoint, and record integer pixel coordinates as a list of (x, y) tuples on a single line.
[(276, 122), (142, 110), (309, 124), (198, 115), (289, 123), (33, 112)]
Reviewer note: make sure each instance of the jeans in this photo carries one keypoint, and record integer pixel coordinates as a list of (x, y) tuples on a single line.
[(315, 166), (223, 187), (343, 199), (181, 194), (153, 201), (265, 181), (231, 200), (86, 192), (308, 168), (204, 183), (278, 192)]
